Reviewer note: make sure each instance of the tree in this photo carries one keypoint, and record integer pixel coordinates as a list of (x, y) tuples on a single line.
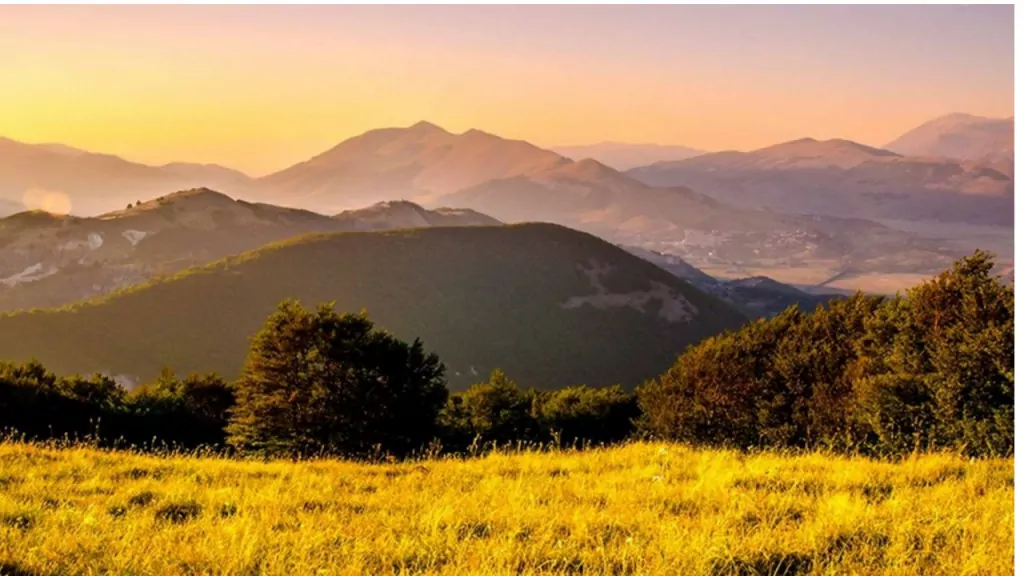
[(39, 404), (585, 414), (723, 391), (494, 411), (938, 368), (815, 363), (932, 369), (191, 412), (323, 382)]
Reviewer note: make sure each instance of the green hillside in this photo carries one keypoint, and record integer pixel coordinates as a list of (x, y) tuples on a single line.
[(550, 305)]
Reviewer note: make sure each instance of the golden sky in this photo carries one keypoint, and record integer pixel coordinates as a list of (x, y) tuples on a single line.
[(261, 87)]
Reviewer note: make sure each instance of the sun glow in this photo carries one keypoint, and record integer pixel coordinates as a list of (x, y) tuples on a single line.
[(47, 200)]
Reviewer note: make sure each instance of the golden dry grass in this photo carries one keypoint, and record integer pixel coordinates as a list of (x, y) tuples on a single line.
[(637, 509)]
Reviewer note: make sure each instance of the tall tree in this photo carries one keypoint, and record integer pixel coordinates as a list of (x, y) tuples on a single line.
[(323, 382)]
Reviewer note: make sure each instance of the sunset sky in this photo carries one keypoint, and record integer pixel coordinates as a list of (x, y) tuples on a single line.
[(261, 87)]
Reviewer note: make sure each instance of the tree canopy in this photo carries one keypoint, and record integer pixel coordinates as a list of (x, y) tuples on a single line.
[(322, 382)]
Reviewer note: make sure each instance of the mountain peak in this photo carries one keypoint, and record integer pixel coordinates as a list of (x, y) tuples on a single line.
[(590, 165), (961, 136), (196, 193), (194, 199), (391, 205), (421, 162), (426, 127), (835, 148), (590, 169), (964, 117)]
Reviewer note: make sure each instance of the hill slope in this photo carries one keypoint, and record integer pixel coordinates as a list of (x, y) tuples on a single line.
[(551, 306), (623, 156), (590, 196), (960, 136), (762, 296), (48, 260), (90, 183), (391, 215), (756, 296), (843, 178), (419, 162), (598, 198)]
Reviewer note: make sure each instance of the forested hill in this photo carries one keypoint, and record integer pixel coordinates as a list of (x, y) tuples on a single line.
[(550, 305)]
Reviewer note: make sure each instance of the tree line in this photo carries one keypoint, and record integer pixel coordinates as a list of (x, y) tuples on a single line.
[(931, 369)]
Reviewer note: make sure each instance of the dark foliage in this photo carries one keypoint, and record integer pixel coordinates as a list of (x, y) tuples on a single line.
[(931, 369), (186, 413), (192, 411), (498, 412), (323, 382)]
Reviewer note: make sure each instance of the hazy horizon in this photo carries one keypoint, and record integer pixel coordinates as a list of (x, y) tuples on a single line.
[(259, 88)]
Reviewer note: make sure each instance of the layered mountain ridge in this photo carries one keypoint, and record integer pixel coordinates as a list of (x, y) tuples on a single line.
[(49, 260)]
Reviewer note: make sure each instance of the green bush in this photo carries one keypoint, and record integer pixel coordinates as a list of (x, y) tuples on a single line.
[(498, 412)]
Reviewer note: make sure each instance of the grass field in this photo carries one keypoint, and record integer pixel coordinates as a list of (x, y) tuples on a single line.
[(637, 509)]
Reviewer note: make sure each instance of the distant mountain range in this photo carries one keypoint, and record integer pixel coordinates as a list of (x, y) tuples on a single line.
[(589, 196), (756, 296), (421, 163), (622, 156), (550, 305), (184, 279), (89, 183), (424, 162), (961, 136), (515, 181), (843, 178), (794, 205), (48, 260)]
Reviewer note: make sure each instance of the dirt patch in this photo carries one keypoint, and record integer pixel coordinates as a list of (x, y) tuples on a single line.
[(673, 306)]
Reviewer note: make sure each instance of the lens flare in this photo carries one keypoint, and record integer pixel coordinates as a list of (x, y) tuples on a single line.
[(47, 200)]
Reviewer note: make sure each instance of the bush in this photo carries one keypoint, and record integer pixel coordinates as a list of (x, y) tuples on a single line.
[(498, 412), (189, 412), (584, 415), (40, 405)]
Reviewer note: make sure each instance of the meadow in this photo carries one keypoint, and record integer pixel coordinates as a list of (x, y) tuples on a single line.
[(640, 508)]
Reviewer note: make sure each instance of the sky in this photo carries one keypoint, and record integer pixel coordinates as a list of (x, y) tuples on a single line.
[(259, 88)]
